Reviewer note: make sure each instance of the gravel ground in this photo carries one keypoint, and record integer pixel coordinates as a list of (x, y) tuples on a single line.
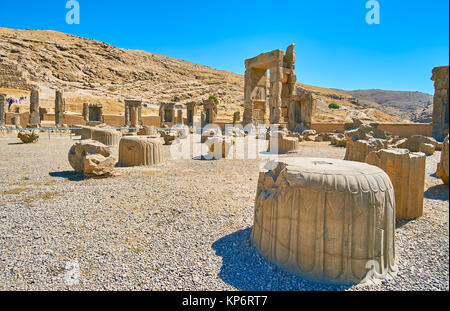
[(181, 225)]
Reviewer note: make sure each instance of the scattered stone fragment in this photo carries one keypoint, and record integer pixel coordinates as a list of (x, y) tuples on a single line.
[(28, 137)]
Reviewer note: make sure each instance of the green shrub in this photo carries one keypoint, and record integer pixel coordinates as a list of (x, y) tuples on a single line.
[(214, 98), (333, 106)]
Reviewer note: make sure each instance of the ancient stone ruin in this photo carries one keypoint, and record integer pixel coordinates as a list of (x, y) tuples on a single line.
[(28, 137), (191, 109), (60, 108), (440, 102), (92, 158), (35, 118), (209, 113), (284, 104), (141, 151), (106, 137), (407, 173), (133, 113), (167, 114), (280, 142), (93, 114), (326, 219), (443, 169)]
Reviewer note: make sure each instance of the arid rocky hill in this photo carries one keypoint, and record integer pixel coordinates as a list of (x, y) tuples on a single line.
[(414, 106), (93, 71)]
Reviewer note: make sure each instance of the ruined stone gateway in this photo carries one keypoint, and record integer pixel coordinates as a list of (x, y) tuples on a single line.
[(286, 104)]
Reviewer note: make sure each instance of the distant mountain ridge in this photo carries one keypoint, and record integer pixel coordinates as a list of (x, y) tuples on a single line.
[(413, 106)]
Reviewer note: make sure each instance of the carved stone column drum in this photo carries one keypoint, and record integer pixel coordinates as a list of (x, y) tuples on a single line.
[(326, 220), (141, 151), (219, 147), (107, 137), (407, 173)]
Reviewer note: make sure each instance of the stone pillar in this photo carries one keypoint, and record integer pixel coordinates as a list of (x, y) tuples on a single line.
[(179, 116), (443, 169), (407, 173), (191, 109), (276, 86), (60, 107), (134, 117), (2, 109), (440, 102), (86, 112), (127, 115), (35, 120)]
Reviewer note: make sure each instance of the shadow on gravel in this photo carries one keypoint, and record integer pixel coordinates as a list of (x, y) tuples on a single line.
[(70, 175), (245, 269), (438, 192)]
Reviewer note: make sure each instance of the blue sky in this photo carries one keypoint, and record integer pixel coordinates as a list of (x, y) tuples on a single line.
[(335, 46)]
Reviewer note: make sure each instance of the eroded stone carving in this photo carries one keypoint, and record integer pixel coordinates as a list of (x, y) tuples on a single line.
[(106, 137), (133, 113), (326, 220), (92, 158), (407, 173), (141, 151), (28, 137)]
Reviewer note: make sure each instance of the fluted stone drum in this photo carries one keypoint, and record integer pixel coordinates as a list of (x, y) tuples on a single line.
[(326, 220), (141, 150), (107, 137)]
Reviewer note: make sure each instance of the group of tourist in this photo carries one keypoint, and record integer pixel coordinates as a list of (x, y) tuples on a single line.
[(12, 101)]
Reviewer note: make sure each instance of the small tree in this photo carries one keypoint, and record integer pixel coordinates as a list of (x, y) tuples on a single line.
[(214, 98), (333, 106)]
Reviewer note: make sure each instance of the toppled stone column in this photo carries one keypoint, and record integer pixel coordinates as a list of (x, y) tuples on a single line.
[(141, 151), (2, 109), (326, 220), (35, 119), (443, 169), (407, 173), (440, 102), (60, 107)]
